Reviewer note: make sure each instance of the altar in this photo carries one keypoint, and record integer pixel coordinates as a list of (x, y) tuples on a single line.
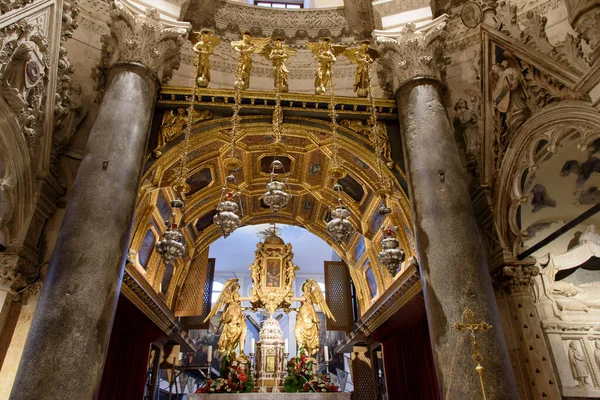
[(271, 396)]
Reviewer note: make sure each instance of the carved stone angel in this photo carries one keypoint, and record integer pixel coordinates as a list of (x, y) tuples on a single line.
[(363, 56), (278, 54), (204, 48), (244, 48), (326, 54), (233, 318), (307, 320)]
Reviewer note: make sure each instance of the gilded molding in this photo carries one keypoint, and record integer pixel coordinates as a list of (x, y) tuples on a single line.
[(411, 54), (141, 36)]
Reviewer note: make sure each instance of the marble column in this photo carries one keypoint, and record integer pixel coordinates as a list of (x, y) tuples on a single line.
[(67, 343), (583, 17), (452, 261)]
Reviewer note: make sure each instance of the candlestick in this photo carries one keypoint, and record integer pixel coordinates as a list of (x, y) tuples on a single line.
[(326, 352), (285, 346), (209, 355), (252, 345)]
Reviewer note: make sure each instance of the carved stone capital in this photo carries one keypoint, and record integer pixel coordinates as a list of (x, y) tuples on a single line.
[(519, 278), (141, 36), (411, 54), (9, 275), (32, 293)]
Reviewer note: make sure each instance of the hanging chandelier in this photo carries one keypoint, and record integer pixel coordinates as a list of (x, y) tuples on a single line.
[(171, 246), (226, 218), (391, 255), (276, 197), (339, 226)]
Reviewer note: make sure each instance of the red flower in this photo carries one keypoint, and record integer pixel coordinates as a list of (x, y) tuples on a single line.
[(243, 377)]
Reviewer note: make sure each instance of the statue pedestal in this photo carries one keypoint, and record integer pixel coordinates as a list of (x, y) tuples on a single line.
[(271, 396)]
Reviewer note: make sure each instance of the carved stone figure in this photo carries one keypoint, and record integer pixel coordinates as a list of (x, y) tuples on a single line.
[(579, 367), (232, 319), (466, 123), (363, 56), (597, 352), (244, 48), (364, 128), (204, 48), (326, 54), (508, 93), (278, 54), (307, 320), (590, 235)]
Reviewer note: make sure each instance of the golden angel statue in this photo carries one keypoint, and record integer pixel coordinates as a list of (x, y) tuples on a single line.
[(326, 54), (204, 48), (307, 320), (278, 54), (233, 318), (363, 56), (244, 48)]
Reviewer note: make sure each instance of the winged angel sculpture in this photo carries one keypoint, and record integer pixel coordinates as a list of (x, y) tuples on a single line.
[(278, 54), (364, 57), (244, 49), (232, 319), (326, 54), (307, 320), (204, 48)]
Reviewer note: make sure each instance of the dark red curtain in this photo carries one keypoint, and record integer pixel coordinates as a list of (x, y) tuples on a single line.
[(127, 359), (408, 364)]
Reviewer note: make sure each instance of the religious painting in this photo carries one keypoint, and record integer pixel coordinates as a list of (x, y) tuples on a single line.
[(352, 188), (359, 250), (265, 164), (163, 207), (371, 281), (167, 276), (205, 221), (315, 168), (273, 274), (199, 180), (146, 248)]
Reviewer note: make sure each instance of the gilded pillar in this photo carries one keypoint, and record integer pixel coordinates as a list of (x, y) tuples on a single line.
[(583, 17), (451, 256), (67, 343)]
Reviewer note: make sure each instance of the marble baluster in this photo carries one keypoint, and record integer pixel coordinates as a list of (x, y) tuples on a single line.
[(451, 256), (69, 336)]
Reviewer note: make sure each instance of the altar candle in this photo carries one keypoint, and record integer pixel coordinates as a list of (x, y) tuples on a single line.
[(326, 353), (286, 350), (252, 345), (209, 355)]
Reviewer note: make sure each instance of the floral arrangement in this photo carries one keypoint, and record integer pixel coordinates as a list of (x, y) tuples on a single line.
[(302, 379), (233, 378)]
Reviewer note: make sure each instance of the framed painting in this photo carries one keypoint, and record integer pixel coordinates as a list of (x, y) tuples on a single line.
[(273, 272), (371, 281)]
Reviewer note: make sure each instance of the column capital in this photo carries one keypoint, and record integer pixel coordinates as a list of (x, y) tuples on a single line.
[(143, 37), (411, 53), (519, 278)]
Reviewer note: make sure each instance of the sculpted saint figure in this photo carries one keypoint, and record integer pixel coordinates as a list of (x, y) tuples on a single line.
[(244, 48), (204, 48), (307, 320), (508, 93), (326, 54), (578, 365), (363, 56), (278, 54), (233, 318)]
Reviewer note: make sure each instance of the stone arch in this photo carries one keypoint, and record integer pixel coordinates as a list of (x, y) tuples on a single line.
[(543, 132)]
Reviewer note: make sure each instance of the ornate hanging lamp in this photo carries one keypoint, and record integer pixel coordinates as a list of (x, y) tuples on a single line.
[(171, 246), (339, 226), (276, 197), (227, 218), (391, 255)]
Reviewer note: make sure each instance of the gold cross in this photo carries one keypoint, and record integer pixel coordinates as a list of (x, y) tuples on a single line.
[(484, 327)]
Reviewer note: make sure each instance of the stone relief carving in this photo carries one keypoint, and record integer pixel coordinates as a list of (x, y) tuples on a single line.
[(141, 36), (174, 123), (9, 5), (520, 277), (364, 129), (533, 34), (23, 68), (411, 54), (68, 105), (583, 17), (578, 364)]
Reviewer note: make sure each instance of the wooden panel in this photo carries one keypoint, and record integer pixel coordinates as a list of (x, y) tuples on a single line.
[(338, 296), (197, 321)]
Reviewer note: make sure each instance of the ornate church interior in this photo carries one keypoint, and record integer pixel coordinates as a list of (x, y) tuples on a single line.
[(299, 199)]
